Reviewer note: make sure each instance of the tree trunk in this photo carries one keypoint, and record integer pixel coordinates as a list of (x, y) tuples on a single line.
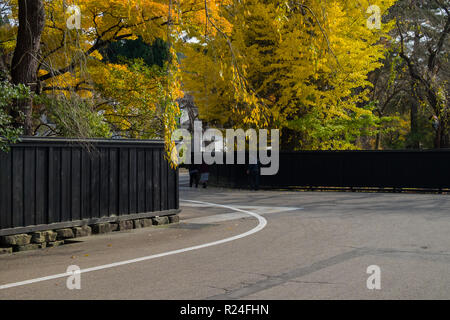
[(378, 141), (25, 59), (415, 143), (442, 139), (414, 127)]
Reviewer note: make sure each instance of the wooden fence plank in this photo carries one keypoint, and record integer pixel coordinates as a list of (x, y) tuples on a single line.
[(17, 187), (29, 186), (59, 181)]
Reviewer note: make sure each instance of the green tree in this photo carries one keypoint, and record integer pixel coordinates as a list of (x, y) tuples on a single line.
[(155, 54), (9, 95), (422, 34)]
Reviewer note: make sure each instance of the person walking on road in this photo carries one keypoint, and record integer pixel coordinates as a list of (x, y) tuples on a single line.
[(254, 172), (204, 175), (194, 175)]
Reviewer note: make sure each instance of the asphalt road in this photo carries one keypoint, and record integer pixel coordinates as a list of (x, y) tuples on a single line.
[(316, 245)]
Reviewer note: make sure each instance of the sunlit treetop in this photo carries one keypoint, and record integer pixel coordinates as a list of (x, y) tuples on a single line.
[(292, 64)]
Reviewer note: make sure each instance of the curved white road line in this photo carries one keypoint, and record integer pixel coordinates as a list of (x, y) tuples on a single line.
[(261, 225)]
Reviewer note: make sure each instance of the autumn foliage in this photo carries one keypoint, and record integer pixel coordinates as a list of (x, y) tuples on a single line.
[(299, 66)]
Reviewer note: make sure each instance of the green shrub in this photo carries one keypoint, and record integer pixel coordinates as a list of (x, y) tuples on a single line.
[(73, 117), (9, 93)]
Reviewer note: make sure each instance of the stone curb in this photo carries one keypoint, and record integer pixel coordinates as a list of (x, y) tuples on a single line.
[(54, 238)]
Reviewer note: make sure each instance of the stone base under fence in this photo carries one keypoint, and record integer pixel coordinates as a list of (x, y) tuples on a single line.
[(53, 238)]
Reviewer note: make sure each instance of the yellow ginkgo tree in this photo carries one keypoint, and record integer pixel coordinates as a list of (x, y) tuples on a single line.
[(299, 66), (65, 60)]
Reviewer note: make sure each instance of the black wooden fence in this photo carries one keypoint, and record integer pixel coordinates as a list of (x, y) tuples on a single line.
[(56, 183), (348, 169)]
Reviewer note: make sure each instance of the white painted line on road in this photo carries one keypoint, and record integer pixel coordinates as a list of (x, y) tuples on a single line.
[(262, 222), (237, 215)]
